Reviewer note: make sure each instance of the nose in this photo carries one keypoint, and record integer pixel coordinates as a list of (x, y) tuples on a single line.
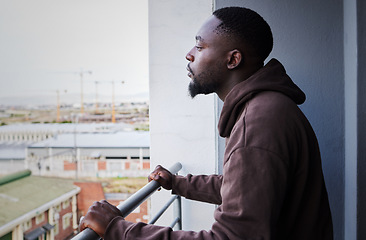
[(190, 56)]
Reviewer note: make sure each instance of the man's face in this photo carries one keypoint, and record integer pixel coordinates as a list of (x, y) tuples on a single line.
[(207, 60)]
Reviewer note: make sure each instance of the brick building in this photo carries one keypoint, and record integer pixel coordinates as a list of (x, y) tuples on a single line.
[(36, 207), (93, 191)]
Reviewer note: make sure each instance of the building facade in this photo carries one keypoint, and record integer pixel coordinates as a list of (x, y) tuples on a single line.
[(14, 139), (37, 207), (118, 154), (73, 150)]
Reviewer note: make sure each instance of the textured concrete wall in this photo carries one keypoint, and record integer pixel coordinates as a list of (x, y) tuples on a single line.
[(182, 129)]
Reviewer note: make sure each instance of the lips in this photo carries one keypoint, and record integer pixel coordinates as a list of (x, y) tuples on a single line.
[(190, 73)]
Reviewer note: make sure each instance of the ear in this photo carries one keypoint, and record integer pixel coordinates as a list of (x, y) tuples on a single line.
[(235, 58)]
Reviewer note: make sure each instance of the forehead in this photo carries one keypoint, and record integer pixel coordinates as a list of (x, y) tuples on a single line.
[(207, 32)]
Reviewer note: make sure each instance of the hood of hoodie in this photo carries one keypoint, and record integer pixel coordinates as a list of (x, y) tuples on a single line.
[(272, 77)]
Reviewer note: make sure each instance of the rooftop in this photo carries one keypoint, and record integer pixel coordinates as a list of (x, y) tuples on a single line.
[(133, 139), (66, 127), (14, 151), (21, 196)]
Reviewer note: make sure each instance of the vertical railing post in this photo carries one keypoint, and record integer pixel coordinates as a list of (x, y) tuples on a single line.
[(178, 213)]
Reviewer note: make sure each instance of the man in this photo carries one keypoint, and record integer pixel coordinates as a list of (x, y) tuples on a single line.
[(272, 185)]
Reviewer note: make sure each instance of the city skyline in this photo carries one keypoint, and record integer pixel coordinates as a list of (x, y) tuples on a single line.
[(47, 45)]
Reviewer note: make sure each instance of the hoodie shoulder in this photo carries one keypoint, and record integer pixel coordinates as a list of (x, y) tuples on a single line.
[(272, 77)]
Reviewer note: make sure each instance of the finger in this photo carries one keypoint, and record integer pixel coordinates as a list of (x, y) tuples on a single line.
[(110, 206), (158, 166), (156, 177), (151, 176), (81, 219), (95, 204), (114, 209), (81, 224)]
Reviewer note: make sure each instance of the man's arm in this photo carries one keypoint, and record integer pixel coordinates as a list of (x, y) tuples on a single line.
[(252, 195), (200, 187), (106, 220)]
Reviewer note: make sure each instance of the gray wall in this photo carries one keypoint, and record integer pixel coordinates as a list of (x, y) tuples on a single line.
[(350, 90), (361, 117), (308, 40)]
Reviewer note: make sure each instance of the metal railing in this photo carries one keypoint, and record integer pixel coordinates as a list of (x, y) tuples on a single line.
[(134, 201), (177, 212)]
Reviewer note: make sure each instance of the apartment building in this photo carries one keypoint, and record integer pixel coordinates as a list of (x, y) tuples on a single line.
[(36, 207)]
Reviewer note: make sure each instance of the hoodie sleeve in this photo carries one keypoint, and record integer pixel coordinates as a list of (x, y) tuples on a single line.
[(252, 194), (200, 187), (119, 229)]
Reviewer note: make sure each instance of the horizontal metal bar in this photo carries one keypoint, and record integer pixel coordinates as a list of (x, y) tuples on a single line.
[(163, 209), (130, 204), (176, 220)]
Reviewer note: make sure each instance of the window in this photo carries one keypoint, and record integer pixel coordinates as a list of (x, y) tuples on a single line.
[(40, 218), (66, 220), (58, 208), (123, 157), (27, 225), (55, 229), (66, 204)]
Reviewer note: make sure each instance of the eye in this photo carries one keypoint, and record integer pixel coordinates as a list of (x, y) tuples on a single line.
[(199, 48)]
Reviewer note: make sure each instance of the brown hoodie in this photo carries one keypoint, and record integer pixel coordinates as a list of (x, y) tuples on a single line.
[(272, 185)]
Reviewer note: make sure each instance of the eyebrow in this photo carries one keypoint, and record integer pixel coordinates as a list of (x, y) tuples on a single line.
[(199, 38)]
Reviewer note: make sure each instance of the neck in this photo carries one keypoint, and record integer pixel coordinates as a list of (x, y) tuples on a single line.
[(236, 77)]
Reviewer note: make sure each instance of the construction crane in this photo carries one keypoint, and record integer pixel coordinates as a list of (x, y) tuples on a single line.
[(113, 98), (96, 97), (81, 74), (113, 110), (58, 105)]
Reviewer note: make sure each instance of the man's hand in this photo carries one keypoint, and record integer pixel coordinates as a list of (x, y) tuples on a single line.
[(162, 176), (99, 215)]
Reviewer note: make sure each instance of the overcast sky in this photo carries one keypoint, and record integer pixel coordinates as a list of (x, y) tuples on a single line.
[(44, 44)]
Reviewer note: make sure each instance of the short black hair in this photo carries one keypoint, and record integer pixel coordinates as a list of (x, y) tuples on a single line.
[(246, 25)]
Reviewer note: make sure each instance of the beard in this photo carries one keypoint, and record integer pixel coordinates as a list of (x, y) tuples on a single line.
[(202, 84), (194, 88)]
